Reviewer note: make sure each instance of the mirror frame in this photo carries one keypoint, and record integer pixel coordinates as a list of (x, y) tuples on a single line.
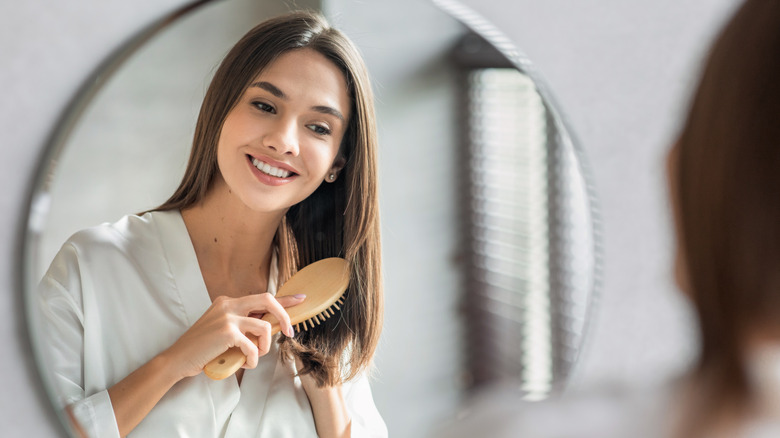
[(38, 196)]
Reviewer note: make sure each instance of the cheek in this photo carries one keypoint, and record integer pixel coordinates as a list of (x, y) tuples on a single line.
[(222, 154), (320, 160), (239, 128), (234, 134), (319, 168)]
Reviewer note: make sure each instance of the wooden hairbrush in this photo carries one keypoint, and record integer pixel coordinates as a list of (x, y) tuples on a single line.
[(323, 282)]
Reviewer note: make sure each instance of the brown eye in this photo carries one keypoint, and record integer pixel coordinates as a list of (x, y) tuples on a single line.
[(262, 106), (319, 129)]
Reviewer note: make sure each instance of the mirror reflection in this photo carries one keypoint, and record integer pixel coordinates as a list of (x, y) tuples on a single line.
[(486, 223)]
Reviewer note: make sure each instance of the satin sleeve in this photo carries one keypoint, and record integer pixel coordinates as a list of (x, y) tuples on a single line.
[(61, 318), (366, 420)]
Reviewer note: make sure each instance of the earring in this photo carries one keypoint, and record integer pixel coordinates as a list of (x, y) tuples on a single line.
[(332, 177)]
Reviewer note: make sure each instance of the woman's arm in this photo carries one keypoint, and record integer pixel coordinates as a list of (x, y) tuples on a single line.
[(346, 410), (331, 417), (135, 395), (222, 326)]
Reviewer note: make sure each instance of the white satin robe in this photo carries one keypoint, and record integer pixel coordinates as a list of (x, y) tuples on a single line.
[(118, 294)]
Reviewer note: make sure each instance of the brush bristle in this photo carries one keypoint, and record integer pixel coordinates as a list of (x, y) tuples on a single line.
[(320, 317)]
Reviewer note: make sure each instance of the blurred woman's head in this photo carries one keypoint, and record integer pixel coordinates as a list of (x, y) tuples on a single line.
[(725, 185)]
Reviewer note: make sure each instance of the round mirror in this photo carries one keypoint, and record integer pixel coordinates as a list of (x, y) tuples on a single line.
[(491, 262)]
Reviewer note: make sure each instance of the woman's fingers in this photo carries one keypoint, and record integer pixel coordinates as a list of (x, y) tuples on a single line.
[(266, 303), (231, 322), (291, 300), (258, 333), (258, 330), (250, 350)]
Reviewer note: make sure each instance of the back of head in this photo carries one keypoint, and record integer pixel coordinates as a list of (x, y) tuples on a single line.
[(727, 177)]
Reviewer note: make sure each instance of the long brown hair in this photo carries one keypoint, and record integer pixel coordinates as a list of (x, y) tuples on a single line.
[(340, 219), (726, 188)]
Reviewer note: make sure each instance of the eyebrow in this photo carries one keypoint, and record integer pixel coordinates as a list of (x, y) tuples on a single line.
[(328, 110), (273, 89)]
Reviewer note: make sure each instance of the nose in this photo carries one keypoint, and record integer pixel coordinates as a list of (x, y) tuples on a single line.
[(283, 138)]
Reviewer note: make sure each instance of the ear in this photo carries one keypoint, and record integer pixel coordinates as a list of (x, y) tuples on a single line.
[(333, 172)]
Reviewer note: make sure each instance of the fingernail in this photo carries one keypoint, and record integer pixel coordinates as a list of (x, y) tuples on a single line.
[(290, 331), (299, 296)]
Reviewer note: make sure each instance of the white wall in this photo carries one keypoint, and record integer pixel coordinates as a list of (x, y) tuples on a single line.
[(620, 70)]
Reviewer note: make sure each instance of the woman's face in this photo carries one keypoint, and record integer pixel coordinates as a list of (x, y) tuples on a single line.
[(281, 139)]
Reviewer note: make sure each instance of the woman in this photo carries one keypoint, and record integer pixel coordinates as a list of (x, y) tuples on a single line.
[(725, 179), (282, 173)]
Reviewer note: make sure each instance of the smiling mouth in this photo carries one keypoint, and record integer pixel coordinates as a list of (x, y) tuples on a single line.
[(270, 170)]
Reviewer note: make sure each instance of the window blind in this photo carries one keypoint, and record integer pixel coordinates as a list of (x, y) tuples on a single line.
[(509, 202)]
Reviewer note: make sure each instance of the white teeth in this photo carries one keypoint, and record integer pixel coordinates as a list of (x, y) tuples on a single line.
[(270, 170)]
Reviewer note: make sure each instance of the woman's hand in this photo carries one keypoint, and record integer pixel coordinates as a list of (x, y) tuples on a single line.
[(222, 326), (226, 324), (328, 406)]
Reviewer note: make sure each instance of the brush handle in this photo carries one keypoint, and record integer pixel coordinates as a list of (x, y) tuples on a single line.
[(227, 363)]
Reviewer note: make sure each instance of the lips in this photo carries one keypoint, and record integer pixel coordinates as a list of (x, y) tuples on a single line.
[(276, 171), (270, 170)]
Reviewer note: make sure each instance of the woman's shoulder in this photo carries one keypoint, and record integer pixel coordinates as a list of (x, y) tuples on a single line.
[(131, 241), (130, 237), (130, 232)]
